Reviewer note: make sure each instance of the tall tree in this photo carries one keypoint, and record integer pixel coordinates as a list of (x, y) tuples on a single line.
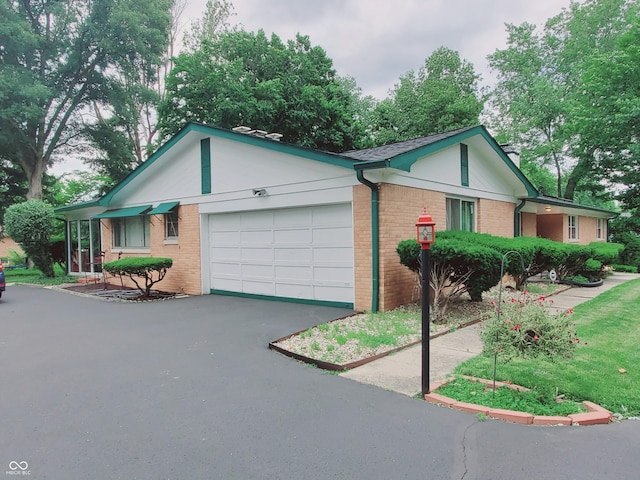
[(539, 81), (443, 95), (245, 78), (57, 58)]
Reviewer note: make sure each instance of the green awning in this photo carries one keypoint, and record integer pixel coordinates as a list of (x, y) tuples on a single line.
[(124, 212), (164, 208)]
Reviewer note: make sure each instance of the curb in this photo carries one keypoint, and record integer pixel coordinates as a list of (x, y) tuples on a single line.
[(595, 415)]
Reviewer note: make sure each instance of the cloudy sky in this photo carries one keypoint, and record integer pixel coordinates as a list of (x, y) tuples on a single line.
[(377, 41)]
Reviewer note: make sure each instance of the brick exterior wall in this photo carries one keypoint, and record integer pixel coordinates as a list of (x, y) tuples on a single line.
[(495, 218), (587, 230), (184, 275), (552, 226), (528, 224), (400, 208)]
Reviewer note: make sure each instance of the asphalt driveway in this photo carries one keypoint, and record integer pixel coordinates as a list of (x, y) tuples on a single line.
[(187, 389)]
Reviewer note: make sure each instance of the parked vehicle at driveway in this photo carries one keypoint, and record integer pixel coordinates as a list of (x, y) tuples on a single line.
[(2, 281)]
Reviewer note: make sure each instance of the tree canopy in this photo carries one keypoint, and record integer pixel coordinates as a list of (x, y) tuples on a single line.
[(57, 58), (245, 78), (443, 95), (546, 85)]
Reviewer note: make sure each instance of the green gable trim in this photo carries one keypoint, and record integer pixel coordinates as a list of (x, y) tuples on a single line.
[(464, 165), (406, 160), (163, 208), (308, 153), (205, 165), (304, 301), (77, 206), (124, 212)]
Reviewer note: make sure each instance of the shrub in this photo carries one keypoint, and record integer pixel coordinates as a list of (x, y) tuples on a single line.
[(152, 270), (630, 255), (606, 253), (624, 268), (527, 328), (456, 267), (592, 270), (30, 224)]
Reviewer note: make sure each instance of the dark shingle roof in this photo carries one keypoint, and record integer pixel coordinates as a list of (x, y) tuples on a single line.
[(394, 149)]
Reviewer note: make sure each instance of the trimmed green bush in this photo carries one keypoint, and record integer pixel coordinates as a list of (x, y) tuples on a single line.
[(30, 224), (624, 268), (151, 269), (606, 253)]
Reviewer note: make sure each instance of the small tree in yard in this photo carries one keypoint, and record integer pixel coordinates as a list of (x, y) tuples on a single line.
[(152, 270), (31, 224)]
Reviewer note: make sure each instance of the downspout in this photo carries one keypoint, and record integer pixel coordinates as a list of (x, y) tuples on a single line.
[(375, 234), (516, 218)]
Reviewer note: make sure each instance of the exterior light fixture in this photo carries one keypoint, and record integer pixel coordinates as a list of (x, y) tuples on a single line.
[(425, 229), (547, 208), (426, 235)]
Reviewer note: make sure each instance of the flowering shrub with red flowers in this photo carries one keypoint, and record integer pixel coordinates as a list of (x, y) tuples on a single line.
[(526, 326)]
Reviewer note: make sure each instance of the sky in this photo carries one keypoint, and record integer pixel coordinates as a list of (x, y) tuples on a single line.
[(377, 41)]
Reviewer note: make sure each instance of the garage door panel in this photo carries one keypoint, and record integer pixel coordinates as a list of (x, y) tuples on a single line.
[(294, 290), (293, 255), (252, 271), (340, 255), (226, 253), (258, 288), (293, 236), (304, 252), (256, 237), (258, 254), (300, 272), (333, 235), (335, 275)]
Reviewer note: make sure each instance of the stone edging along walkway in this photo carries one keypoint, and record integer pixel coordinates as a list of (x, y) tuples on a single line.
[(596, 415)]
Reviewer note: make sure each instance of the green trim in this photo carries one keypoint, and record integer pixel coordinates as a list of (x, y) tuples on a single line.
[(267, 143), (163, 208), (375, 238), (558, 202), (205, 165), (516, 218), (124, 212), (406, 160), (304, 301), (464, 164), (78, 206)]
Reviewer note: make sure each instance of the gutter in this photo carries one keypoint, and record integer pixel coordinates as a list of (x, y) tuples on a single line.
[(516, 218), (375, 238)]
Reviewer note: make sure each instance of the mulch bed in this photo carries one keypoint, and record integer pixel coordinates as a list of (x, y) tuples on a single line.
[(118, 292)]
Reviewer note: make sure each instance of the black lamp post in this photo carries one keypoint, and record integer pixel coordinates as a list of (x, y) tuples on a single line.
[(425, 230)]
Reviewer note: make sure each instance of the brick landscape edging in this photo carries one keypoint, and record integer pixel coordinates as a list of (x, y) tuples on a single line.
[(596, 415)]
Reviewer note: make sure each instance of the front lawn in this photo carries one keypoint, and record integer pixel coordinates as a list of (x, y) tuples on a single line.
[(34, 276), (606, 366)]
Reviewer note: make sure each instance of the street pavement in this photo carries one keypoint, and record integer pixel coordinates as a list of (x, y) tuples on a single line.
[(187, 389)]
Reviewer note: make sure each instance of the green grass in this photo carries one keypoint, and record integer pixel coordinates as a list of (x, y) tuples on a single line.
[(609, 331), (34, 276), (535, 402)]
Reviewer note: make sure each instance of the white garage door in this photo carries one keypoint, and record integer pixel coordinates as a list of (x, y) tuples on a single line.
[(298, 253)]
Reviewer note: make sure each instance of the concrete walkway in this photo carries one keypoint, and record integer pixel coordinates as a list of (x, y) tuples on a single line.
[(402, 372)]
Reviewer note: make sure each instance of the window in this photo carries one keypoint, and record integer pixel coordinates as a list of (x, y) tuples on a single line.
[(464, 165), (573, 227), (599, 228), (131, 231), (171, 225), (460, 215)]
